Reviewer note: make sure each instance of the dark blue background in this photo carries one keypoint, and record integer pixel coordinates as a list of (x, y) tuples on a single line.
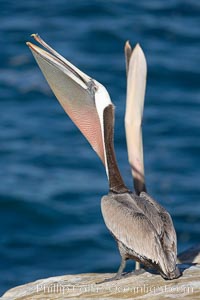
[(51, 181)]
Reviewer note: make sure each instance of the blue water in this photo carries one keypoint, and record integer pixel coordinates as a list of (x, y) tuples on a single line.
[(51, 180)]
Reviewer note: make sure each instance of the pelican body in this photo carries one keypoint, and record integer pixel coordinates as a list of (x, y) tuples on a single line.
[(142, 228)]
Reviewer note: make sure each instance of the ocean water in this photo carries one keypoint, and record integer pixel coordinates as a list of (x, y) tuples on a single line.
[(51, 181)]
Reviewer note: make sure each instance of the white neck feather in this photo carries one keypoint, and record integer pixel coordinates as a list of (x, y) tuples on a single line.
[(102, 100)]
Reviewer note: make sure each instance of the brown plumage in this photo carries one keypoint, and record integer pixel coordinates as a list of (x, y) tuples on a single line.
[(142, 228)]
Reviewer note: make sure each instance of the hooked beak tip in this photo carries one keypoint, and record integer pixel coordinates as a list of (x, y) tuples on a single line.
[(28, 44), (34, 35)]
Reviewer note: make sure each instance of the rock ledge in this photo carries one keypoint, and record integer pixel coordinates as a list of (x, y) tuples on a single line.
[(144, 286)]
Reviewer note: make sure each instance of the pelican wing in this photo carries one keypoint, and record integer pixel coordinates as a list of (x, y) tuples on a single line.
[(162, 223), (82, 98), (131, 227), (169, 240), (136, 84), (151, 212)]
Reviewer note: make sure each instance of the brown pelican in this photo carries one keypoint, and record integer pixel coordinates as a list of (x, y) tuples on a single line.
[(141, 227)]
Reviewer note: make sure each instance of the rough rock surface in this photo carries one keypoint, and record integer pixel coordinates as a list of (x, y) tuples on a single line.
[(144, 286)]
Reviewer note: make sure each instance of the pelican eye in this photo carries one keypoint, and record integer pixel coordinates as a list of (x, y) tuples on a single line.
[(92, 87)]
